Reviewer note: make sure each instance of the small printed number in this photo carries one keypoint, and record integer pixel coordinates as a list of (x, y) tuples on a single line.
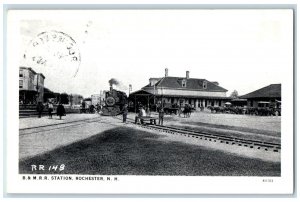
[(267, 180)]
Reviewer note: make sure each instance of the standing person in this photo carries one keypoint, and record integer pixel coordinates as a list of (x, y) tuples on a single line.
[(92, 109), (179, 111), (161, 116), (50, 109), (83, 107), (138, 115), (185, 111), (60, 110), (189, 108), (40, 108), (98, 107), (125, 112)]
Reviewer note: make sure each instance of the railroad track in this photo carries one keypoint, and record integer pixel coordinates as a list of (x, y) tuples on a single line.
[(229, 140), (56, 126)]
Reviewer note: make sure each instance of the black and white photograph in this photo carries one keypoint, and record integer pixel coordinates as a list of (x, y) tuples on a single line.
[(179, 100)]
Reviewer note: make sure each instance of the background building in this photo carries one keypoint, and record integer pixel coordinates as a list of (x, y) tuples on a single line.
[(31, 86), (95, 99), (98, 98), (75, 99), (268, 96), (180, 91), (39, 86)]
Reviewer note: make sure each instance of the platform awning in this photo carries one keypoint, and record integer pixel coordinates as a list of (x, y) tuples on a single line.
[(263, 102), (195, 97), (140, 93)]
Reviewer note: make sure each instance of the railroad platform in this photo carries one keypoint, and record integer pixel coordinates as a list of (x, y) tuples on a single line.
[(105, 146)]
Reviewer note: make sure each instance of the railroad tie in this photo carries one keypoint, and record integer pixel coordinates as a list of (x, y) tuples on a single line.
[(266, 146)]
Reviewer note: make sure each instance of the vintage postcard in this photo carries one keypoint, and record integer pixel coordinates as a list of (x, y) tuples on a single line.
[(150, 101)]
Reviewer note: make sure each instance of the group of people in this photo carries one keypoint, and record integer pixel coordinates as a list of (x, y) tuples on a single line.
[(143, 112), (60, 110), (85, 108)]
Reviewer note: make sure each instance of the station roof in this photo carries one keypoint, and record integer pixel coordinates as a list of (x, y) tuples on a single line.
[(191, 84), (270, 91), (145, 93), (196, 97), (141, 92)]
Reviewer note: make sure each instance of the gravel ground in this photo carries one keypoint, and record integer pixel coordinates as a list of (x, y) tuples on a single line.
[(242, 126), (262, 123), (32, 142), (126, 150), (267, 124), (45, 120)]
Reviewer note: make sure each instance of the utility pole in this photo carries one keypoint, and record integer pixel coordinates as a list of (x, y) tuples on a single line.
[(162, 104), (37, 88), (100, 97), (71, 100), (130, 89), (154, 98)]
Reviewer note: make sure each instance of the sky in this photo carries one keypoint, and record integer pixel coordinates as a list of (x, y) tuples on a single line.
[(243, 50)]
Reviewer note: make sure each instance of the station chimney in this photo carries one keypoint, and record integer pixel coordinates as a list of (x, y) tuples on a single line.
[(187, 74), (166, 72)]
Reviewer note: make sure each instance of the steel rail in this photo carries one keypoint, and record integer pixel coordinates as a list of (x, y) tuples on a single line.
[(42, 126), (275, 147)]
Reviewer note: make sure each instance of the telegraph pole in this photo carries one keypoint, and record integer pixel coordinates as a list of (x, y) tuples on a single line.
[(37, 88), (130, 89)]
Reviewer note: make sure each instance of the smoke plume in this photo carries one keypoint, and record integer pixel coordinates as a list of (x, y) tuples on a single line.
[(117, 84), (113, 82)]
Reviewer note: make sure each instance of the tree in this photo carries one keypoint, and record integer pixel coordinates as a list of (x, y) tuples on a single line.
[(64, 98), (234, 94), (76, 99), (48, 94)]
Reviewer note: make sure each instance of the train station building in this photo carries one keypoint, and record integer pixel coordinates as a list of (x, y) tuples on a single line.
[(172, 91), (268, 96)]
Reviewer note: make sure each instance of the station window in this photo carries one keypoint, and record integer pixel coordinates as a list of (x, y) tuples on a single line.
[(204, 84), (20, 83), (21, 73), (184, 83)]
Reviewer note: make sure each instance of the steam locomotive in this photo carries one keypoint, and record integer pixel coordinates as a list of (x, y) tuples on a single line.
[(114, 102)]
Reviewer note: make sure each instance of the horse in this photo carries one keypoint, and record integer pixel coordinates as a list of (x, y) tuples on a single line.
[(187, 111)]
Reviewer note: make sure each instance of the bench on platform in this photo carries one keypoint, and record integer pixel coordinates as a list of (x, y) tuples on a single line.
[(143, 119)]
